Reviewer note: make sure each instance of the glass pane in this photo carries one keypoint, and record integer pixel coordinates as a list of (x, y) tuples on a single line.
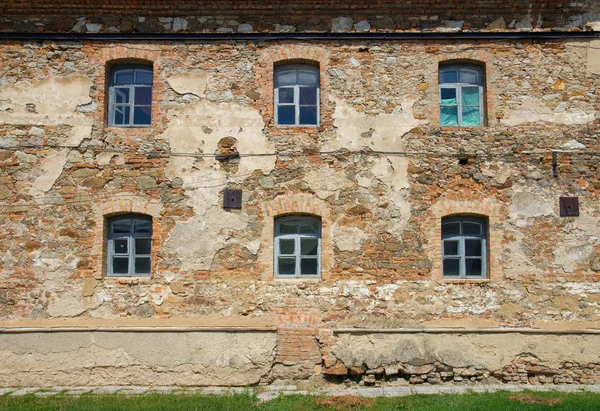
[(286, 115), (122, 226), (143, 246), (468, 76), (142, 265), (308, 96), (473, 248), (143, 77), (120, 265), (449, 115), (120, 246), (448, 96), (143, 227), (286, 266), (142, 115), (471, 116), (471, 229), (287, 246), (450, 230), (285, 77), (308, 77), (121, 95), (286, 95), (124, 77), (309, 246), (309, 266), (450, 248), (308, 115), (451, 267), (143, 96), (122, 115), (473, 266), (309, 227), (470, 96), (448, 77), (288, 227)]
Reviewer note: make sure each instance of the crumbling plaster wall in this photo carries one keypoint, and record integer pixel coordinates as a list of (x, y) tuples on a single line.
[(378, 209)]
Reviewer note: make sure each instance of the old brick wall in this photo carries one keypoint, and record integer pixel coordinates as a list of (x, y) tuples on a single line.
[(379, 171), (301, 16)]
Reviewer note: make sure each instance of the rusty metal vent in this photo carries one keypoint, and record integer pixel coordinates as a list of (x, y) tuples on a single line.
[(569, 206), (232, 199)]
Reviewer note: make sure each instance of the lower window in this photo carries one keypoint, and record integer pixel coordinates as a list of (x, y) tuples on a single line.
[(464, 248), (297, 247), (129, 245)]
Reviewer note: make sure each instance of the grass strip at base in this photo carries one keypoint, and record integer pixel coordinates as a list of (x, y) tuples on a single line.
[(501, 401)]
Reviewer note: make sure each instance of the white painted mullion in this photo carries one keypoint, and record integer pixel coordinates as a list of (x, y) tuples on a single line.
[(297, 103), (298, 254), (131, 103)]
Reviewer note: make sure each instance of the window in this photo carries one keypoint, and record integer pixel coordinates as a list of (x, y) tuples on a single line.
[(297, 95), (464, 247), (129, 245), (297, 247), (461, 94), (130, 96)]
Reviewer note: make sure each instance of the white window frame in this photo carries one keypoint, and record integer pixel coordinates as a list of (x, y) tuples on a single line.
[(130, 237), (112, 104), (297, 246), (460, 239), (296, 87), (458, 86)]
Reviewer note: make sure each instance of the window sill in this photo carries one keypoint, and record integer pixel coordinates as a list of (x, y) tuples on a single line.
[(130, 280), (297, 280), (465, 280)]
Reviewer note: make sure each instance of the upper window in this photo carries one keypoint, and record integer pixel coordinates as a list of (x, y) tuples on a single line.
[(297, 95), (464, 247), (129, 245), (461, 95), (130, 96), (297, 247)]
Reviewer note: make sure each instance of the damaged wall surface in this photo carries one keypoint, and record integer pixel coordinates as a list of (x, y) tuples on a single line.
[(378, 171)]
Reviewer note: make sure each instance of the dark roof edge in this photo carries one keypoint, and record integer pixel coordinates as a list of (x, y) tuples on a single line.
[(504, 35)]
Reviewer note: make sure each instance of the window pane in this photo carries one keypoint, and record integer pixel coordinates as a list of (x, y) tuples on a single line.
[(142, 115), (471, 116), (285, 77), (123, 226), (143, 246), (286, 95), (122, 115), (143, 96), (120, 246), (142, 265), (143, 77), (451, 267), (143, 227), (309, 227), (120, 265), (450, 230), (471, 229), (308, 96), (473, 248), (450, 247), (121, 95), (286, 266), (468, 76), (286, 115), (473, 267), (309, 266), (287, 246), (308, 115), (124, 77), (448, 96), (308, 77), (470, 96), (288, 227), (449, 116), (448, 77), (309, 246)]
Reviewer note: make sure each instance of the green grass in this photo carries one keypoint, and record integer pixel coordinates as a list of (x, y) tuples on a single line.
[(247, 402)]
